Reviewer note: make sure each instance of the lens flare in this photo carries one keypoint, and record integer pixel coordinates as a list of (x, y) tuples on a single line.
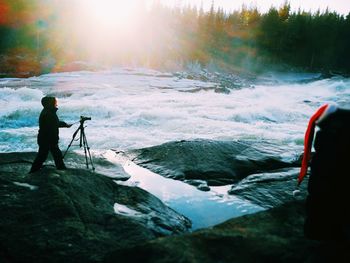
[(110, 14), (107, 27)]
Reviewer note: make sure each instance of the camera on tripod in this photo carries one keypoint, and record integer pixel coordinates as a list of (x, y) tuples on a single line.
[(84, 118)]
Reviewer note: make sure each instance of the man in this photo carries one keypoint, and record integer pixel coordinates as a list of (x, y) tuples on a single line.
[(48, 135), (327, 204)]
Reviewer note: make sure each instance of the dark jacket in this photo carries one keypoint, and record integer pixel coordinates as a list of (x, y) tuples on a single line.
[(328, 209), (49, 123), (330, 164)]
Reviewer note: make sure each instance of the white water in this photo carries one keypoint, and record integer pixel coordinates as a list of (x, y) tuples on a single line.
[(139, 108)]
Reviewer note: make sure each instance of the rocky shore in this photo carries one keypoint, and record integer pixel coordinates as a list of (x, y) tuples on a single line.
[(275, 235), (76, 215), (258, 171), (25, 65), (271, 236)]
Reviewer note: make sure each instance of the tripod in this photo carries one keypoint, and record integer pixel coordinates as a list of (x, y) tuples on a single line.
[(82, 142)]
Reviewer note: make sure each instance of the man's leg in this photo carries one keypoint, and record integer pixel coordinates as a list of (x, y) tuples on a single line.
[(40, 158), (57, 156)]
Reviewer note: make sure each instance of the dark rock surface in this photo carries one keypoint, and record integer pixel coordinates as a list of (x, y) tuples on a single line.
[(216, 162), (271, 236), (271, 189), (11, 162), (74, 215), (200, 184)]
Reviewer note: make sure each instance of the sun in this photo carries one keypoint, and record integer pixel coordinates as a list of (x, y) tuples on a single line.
[(110, 14), (107, 28)]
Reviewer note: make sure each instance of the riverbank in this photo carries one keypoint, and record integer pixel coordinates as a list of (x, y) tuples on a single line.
[(26, 65), (76, 215), (269, 236), (275, 235)]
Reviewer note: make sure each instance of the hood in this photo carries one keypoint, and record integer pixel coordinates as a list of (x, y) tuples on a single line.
[(48, 102), (335, 119), (328, 117)]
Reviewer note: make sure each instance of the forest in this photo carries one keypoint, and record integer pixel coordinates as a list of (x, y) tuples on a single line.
[(41, 36)]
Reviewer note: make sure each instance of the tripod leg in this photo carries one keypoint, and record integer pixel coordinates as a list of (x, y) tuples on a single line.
[(82, 142), (85, 152), (70, 144), (87, 149)]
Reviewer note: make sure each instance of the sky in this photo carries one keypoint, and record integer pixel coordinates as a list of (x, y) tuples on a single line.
[(341, 6)]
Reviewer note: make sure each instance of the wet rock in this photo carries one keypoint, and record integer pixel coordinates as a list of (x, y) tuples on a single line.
[(226, 80), (222, 90), (75, 66), (74, 215), (275, 235), (216, 162), (270, 189), (72, 160), (200, 184)]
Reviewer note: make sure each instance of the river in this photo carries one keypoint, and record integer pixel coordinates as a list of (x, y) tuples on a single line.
[(135, 108)]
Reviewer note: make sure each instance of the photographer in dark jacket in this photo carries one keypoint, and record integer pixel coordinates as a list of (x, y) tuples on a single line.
[(48, 135), (327, 204)]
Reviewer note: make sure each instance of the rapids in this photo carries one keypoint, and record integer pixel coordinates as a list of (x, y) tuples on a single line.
[(139, 108)]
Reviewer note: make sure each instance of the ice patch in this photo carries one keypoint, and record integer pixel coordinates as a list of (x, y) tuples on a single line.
[(31, 187), (126, 211)]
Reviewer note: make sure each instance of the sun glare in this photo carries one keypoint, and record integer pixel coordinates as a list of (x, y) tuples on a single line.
[(110, 14), (108, 25)]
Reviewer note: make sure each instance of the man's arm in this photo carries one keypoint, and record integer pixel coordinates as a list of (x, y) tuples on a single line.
[(63, 124)]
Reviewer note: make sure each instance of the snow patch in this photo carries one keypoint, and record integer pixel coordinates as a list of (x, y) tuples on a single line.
[(124, 210), (31, 187)]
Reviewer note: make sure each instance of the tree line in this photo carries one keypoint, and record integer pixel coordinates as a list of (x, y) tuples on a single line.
[(245, 38)]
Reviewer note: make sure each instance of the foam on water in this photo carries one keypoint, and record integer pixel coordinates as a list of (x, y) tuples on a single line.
[(138, 108)]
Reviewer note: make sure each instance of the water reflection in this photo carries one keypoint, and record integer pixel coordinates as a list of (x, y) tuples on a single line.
[(204, 209)]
